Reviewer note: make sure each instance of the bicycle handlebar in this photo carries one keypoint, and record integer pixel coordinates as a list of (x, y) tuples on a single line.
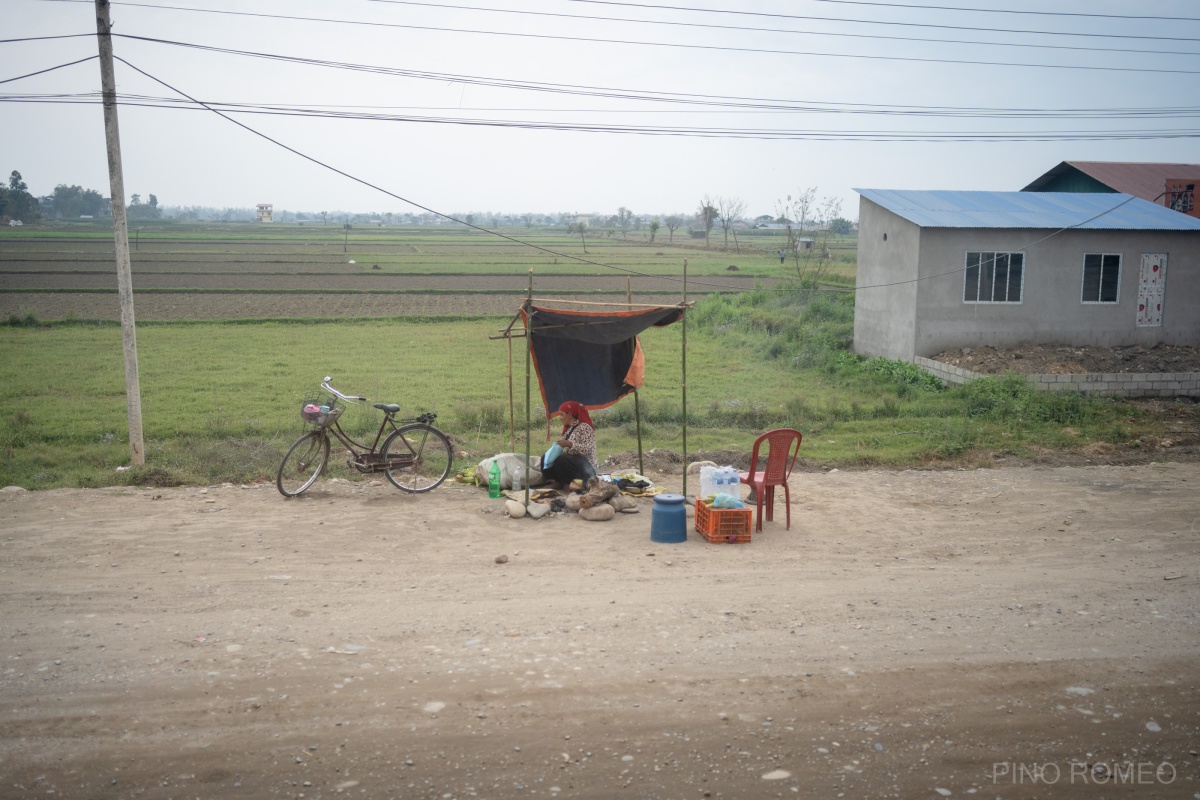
[(325, 385)]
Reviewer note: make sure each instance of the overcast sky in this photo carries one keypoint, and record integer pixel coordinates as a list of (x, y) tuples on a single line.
[(661, 67)]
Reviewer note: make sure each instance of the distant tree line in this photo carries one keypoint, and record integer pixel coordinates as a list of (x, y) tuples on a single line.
[(15, 200), (66, 202)]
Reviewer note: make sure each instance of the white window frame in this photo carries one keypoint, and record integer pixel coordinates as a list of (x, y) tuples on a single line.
[(1099, 301), (991, 254)]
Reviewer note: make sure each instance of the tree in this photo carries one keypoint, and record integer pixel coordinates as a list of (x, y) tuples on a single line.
[(841, 226), (581, 229), (707, 215), (672, 222), (811, 263), (653, 229), (18, 202), (730, 210), (139, 210), (624, 215)]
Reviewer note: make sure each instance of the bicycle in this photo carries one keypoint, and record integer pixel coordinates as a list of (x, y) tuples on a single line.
[(415, 456)]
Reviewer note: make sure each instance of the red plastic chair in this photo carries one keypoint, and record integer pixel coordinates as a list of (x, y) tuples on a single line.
[(783, 445)]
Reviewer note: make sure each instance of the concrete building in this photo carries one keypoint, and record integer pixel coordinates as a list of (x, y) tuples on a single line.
[(938, 270), (265, 212), (1170, 185)]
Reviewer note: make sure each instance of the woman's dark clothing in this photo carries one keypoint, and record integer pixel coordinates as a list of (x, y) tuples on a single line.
[(576, 462), (570, 467)]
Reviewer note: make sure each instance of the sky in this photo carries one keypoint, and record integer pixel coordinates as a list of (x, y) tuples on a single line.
[(744, 100)]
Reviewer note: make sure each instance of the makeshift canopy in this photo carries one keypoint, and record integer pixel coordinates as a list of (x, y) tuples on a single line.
[(592, 357)]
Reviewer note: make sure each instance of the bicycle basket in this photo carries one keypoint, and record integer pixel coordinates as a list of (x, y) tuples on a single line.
[(320, 410)]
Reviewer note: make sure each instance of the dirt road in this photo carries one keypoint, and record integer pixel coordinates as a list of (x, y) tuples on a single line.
[(1012, 633)]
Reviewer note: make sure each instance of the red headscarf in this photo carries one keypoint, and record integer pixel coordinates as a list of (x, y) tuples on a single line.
[(577, 411)]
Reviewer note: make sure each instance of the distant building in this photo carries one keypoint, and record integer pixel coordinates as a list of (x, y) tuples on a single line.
[(938, 270), (1170, 185), (265, 212)]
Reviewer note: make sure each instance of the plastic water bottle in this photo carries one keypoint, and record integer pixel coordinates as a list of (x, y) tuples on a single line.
[(494, 480), (728, 481), (708, 481), (518, 479)]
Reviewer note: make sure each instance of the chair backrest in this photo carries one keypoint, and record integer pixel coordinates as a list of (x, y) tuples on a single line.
[(784, 446)]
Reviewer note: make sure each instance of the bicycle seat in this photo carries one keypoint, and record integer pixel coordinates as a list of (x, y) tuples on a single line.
[(390, 408)]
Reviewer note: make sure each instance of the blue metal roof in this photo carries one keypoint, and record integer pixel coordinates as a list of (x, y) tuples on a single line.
[(1085, 210)]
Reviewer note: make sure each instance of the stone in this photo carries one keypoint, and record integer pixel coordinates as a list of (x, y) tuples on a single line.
[(695, 467), (537, 510), (572, 502), (515, 510), (598, 513), (622, 503)]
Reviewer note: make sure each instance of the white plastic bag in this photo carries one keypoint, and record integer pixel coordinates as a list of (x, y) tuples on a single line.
[(509, 462)]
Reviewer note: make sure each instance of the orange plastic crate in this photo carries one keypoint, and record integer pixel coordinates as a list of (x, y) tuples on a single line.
[(723, 525)]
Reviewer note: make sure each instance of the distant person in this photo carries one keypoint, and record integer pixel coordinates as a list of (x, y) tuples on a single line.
[(577, 462), (781, 256)]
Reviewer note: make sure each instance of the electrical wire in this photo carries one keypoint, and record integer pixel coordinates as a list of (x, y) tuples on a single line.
[(886, 5), (547, 250), (675, 45), (741, 28), (393, 194), (48, 69), (757, 134)]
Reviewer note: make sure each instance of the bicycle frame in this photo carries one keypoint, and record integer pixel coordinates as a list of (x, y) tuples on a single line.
[(367, 458)]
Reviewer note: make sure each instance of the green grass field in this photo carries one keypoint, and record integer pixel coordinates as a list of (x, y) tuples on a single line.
[(220, 399)]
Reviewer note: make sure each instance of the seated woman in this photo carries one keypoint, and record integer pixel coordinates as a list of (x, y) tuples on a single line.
[(577, 462)]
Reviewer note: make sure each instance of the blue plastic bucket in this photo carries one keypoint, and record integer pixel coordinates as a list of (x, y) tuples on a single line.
[(668, 523)]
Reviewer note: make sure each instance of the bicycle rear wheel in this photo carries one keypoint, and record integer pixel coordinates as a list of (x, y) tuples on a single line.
[(418, 457), (303, 463)]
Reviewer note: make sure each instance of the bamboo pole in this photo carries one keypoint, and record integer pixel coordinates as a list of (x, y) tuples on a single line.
[(683, 371), (637, 406), (598, 303), (528, 376), (512, 422)]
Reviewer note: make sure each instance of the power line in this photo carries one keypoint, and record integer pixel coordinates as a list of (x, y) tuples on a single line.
[(890, 5), (821, 108), (547, 250), (709, 26), (683, 46), (48, 69), (759, 134), (413, 203)]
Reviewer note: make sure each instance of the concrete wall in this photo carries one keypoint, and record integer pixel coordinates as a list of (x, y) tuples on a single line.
[(925, 318), (1106, 384), (884, 319), (1051, 311)]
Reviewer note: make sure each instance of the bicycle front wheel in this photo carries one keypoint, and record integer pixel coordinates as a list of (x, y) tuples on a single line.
[(303, 463), (418, 457)]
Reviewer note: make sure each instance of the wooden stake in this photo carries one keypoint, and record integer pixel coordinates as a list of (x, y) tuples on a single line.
[(683, 372), (637, 406)]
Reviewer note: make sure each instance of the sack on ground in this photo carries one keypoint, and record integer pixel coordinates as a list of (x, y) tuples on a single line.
[(508, 463)]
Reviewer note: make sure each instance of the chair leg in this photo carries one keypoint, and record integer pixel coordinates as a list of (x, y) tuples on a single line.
[(758, 496), (787, 503), (770, 492)]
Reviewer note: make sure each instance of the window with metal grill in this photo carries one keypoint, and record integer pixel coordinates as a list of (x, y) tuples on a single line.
[(1101, 277), (994, 277)]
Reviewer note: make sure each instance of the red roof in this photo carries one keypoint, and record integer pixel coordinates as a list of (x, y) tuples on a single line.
[(1145, 180)]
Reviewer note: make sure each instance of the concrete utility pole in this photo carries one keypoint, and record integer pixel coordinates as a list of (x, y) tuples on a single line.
[(116, 182)]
